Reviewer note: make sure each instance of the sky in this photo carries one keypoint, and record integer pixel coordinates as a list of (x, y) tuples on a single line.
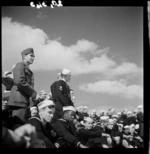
[(102, 46)]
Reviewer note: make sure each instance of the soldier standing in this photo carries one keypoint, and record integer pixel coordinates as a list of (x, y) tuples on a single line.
[(22, 89)]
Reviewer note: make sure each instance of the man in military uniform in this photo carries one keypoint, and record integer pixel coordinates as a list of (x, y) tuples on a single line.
[(66, 131), (61, 93), (22, 90)]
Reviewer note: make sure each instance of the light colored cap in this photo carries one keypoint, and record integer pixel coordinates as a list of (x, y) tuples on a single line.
[(69, 108), (140, 106), (119, 113), (111, 121), (126, 127), (104, 118), (85, 107), (137, 126), (7, 73), (65, 71), (88, 119), (34, 107), (45, 103), (115, 116), (120, 124), (132, 125)]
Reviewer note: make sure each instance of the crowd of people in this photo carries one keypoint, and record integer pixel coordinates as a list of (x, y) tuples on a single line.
[(32, 119)]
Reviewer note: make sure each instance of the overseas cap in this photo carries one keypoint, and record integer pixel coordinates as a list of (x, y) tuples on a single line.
[(65, 71), (140, 106), (121, 125), (33, 107), (115, 116), (27, 51), (126, 127), (104, 118), (69, 108), (45, 103)]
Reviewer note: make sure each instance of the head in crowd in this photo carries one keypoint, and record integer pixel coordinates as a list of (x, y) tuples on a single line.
[(94, 112), (140, 108), (88, 123), (132, 128), (129, 114), (85, 109), (33, 110), (104, 121), (72, 95), (5, 98), (115, 118), (81, 108), (66, 75), (49, 96), (42, 95), (119, 114), (101, 113), (110, 124), (120, 127), (46, 111), (69, 113), (28, 56), (126, 129), (124, 111), (58, 76)]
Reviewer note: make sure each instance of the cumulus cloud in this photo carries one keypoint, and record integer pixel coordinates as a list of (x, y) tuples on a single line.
[(53, 55), (125, 69), (114, 88)]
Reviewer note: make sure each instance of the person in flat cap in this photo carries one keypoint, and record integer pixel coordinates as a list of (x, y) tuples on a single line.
[(61, 93), (42, 120), (23, 88), (66, 130)]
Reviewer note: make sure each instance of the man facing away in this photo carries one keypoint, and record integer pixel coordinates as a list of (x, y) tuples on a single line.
[(23, 88)]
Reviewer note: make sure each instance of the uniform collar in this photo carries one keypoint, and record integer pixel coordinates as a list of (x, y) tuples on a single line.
[(63, 80)]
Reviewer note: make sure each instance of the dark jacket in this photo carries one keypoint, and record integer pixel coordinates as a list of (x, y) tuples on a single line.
[(66, 133), (22, 89), (61, 96), (42, 134)]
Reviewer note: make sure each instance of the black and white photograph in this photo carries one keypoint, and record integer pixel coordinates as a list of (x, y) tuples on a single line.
[(72, 76)]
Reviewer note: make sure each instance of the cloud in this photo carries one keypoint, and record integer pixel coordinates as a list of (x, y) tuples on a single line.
[(50, 54), (125, 69), (114, 88), (53, 55)]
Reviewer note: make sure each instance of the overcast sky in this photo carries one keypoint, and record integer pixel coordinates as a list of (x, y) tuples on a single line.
[(102, 46)]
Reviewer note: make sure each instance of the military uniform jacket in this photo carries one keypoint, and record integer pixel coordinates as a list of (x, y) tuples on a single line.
[(66, 132), (42, 134), (61, 92), (22, 89)]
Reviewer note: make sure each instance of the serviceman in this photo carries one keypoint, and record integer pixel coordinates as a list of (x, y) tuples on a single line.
[(61, 93), (23, 88)]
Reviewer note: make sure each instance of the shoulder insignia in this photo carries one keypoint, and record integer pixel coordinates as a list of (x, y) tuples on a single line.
[(60, 88)]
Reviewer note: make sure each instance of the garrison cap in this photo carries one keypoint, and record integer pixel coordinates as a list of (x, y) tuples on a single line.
[(69, 108), (126, 127), (65, 71), (104, 118), (45, 103), (27, 51), (115, 116)]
